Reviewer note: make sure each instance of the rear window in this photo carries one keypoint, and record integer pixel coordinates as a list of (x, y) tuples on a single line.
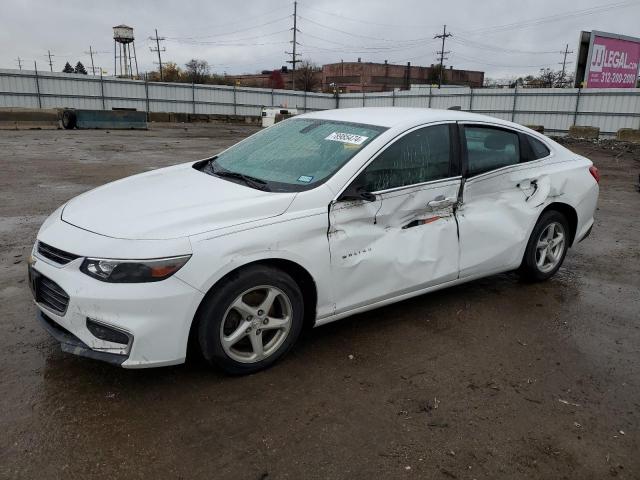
[(538, 149)]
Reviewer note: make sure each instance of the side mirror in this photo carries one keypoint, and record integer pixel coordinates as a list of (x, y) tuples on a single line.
[(357, 191)]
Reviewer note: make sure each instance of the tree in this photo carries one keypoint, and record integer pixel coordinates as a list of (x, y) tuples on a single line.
[(196, 71), (68, 68), (80, 68), (171, 72), (307, 76)]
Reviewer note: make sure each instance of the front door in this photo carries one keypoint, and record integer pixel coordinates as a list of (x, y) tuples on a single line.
[(406, 239)]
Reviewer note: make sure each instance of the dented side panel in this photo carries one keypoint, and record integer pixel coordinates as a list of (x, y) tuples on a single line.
[(394, 245)]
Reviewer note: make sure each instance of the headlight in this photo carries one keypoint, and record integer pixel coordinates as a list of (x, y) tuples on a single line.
[(133, 271)]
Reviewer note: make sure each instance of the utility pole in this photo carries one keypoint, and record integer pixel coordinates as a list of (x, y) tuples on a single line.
[(565, 63), (442, 53), (158, 50), (19, 60), (293, 53), (93, 69), (50, 61)]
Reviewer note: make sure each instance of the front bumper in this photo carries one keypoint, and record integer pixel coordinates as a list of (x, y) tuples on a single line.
[(156, 316)]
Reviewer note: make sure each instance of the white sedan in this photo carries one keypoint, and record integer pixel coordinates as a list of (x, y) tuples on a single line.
[(311, 220)]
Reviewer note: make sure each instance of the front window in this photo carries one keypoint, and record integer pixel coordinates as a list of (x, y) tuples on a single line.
[(294, 155)]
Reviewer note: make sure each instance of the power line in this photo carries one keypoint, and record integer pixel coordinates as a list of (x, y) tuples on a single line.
[(253, 28), (293, 53), (350, 19), (444, 35), (158, 50)]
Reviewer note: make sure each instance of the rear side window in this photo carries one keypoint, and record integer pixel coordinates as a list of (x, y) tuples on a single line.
[(538, 149), (420, 156), (490, 148)]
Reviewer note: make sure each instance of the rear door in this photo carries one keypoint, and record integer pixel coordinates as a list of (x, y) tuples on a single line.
[(406, 239), (504, 192)]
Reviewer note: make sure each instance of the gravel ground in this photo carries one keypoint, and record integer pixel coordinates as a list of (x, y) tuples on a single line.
[(489, 380)]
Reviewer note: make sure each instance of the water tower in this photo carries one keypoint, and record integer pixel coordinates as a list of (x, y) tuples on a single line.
[(123, 60)]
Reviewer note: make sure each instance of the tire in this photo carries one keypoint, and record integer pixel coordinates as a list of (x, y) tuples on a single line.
[(538, 266), (259, 305), (69, 119)]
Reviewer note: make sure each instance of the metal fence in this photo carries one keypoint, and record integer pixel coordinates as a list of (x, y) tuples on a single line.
[(555, 109)]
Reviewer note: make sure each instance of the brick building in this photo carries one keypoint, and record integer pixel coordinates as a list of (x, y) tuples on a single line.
[(367, 77), (381, 77)]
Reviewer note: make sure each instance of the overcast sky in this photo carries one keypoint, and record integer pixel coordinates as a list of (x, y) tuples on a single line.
[(504, 39)]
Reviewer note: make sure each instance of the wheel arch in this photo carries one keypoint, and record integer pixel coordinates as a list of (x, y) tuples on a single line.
[(570, 214), (300, 275)]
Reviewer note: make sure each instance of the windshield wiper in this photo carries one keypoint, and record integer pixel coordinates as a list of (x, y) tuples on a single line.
[(247, 179)]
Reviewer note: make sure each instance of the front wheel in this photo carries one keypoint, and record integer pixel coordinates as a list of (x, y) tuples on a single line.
[(251, 320), (547, 247)]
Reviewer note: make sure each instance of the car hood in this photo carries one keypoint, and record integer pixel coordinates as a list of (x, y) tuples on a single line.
[(170, 203)]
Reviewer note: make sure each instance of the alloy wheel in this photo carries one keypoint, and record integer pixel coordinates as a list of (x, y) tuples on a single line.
[(550, 247)]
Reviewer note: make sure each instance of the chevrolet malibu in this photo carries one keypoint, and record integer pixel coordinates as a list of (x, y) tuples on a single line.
[(311, 220)]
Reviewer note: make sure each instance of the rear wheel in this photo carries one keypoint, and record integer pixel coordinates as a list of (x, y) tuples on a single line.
[(547, 247), (251, 320)]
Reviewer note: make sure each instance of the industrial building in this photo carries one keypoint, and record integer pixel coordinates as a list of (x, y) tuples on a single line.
[(356, 77)]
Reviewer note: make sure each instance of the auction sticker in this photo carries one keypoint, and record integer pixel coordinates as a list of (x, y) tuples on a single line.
[(350, 138)]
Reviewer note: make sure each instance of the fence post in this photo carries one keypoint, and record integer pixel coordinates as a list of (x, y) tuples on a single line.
[(272, 98), (305, 101), (146, 94), (429, 104), (235, 105), (575, 112), (515, 98), (37, 85), (337, 95), (364, 101), (393, 98), (193, 97), (104, 106), (471, 99)]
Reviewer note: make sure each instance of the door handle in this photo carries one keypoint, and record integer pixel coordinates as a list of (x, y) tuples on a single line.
[(441, 202)]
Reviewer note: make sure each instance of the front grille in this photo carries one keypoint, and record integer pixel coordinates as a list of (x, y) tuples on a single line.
[(52, 253), (51, 295)]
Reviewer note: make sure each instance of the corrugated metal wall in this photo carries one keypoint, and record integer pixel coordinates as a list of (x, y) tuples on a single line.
[(555, 109)]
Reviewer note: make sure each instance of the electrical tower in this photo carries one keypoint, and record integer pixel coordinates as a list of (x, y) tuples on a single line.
[(564, 64), (293, 53), (441, 54), (91, 53), (123, 40), (50, 61), (158, 50)]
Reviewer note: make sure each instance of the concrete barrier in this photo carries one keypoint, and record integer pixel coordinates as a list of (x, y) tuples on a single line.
[(587, 133), (629, 135), (27, 118)]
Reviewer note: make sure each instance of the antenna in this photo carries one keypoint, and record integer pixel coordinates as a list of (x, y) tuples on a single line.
[(158, 50), (442, 53)]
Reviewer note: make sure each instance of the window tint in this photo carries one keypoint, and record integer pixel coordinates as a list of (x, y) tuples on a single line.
[(538, 149), (419, 156), (491, 148)]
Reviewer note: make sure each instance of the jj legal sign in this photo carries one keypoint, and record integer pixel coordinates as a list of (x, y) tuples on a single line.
[(612, 61)]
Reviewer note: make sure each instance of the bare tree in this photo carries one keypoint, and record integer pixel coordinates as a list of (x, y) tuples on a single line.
[(196, 71), (307, 76)]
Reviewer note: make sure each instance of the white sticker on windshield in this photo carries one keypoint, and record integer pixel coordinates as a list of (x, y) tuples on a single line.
[(350, 138)]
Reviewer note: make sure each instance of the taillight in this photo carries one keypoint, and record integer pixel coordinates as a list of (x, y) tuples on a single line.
[(595, 173)]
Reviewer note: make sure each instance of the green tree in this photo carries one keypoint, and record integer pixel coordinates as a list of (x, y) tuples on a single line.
[(68, 68)]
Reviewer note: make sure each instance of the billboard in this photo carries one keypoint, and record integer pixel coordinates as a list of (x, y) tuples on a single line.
[(611, 60)]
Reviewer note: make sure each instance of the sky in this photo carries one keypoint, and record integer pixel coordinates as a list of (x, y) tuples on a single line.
[(503, 39)]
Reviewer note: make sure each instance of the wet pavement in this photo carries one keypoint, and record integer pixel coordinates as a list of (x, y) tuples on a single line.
[(492, 379)]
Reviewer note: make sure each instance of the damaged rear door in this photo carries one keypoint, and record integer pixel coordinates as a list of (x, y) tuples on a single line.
[(403, 236), (505, 190)]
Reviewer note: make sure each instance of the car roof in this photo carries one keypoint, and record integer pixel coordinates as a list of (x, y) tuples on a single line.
[(399, 116)]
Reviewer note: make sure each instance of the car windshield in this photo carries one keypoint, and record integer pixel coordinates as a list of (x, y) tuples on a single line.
[(294, 155)]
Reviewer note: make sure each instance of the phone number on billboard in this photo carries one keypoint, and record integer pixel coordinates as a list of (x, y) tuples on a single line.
[(608, 77)]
